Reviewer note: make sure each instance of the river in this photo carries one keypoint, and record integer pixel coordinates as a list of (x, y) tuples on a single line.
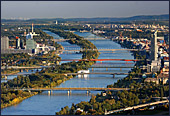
[(44, 104)]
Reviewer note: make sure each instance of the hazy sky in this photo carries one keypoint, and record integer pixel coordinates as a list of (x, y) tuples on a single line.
[(72, 9)]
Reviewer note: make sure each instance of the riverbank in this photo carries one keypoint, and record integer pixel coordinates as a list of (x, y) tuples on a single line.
[(50, 77), (96, 103), (139, 93), (17, 99), (9, 72)]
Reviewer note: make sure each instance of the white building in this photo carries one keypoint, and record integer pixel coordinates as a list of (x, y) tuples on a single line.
[(29, 36), (43, 49), (83, 75), (56, 22)]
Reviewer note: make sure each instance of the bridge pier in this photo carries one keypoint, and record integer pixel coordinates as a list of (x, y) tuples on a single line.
[(6, 77), (113, 75), (120, 69), (87, 92), (21, 70), (26, 70), (58, 63), (49, 92), (106, 69), (92, 69), (29, 91), (69, 92)]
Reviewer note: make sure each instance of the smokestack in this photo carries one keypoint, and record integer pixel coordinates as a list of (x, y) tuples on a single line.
[(32, 27)]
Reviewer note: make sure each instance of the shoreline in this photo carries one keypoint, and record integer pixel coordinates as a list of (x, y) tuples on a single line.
[(17, 100), (56, 84), (57, 113)]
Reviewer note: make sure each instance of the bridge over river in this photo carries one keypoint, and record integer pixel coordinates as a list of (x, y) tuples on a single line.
[(72, 89), (62, 40), (77, 50)]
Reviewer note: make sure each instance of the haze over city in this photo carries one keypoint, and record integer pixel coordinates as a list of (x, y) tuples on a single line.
[(81, 9), (85, 58)]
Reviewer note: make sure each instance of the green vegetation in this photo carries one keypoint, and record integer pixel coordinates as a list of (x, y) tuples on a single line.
[(49, 77), (75, 39), (23, 59), (139, 93), (12, 97)]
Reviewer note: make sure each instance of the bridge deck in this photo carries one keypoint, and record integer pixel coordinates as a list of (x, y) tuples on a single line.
[(102, 50), (16, 74), (98, 73), (73, 88)]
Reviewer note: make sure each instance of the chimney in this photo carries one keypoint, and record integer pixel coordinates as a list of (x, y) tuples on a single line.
[(32, 27)]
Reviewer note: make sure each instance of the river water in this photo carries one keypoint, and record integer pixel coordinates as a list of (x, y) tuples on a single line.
[(44, 104)]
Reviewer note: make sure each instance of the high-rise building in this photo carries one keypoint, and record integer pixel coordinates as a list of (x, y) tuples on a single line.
[(154, 47), (21, 44), (56, 22), (17, 43), (4, 43)]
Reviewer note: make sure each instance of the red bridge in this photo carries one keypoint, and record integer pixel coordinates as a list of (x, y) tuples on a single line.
[(101, 60)]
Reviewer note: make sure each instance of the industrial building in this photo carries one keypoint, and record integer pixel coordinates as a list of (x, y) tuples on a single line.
[(33, 33), (30, 44)]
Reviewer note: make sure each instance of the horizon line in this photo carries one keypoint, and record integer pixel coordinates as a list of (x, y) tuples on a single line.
[(22, 18)]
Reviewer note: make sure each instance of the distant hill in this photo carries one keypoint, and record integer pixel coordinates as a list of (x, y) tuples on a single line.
[(141, 17), (98, 19)]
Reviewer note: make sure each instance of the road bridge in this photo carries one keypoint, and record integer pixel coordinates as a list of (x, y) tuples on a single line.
[(23, 67), (16, 74), (98, 73), (136, 107), (93, 38), (105, 73), (87, 89), (72, 89), (62, 40), (110, 66), (101, 60), (101, 50)]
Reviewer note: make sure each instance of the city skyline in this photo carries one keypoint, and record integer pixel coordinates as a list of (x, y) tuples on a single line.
[(81, 9)]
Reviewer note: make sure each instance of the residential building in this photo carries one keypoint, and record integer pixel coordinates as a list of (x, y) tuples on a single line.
[(4, 43)]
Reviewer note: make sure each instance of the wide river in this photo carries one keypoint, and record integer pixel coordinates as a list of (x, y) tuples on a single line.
[(44, 104)]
